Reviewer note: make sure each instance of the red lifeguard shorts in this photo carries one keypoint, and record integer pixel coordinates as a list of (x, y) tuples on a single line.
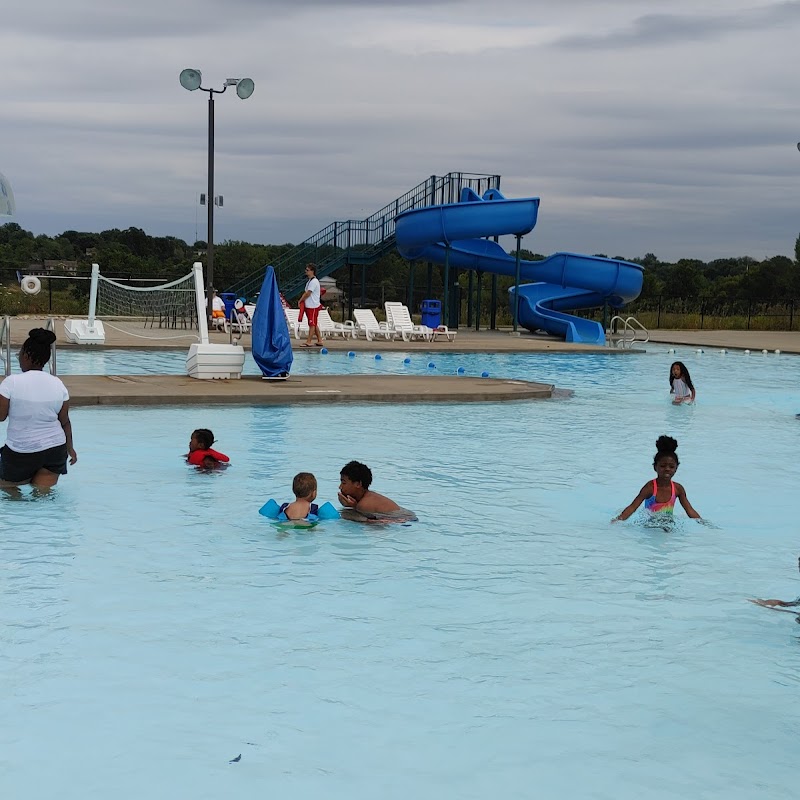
[(312, 314)]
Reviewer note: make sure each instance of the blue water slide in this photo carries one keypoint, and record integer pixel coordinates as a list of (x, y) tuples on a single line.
[(564, 281)]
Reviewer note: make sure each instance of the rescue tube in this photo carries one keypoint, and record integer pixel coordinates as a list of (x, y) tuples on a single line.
[(31, 284)]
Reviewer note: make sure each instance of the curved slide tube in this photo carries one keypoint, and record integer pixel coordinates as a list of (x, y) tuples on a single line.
[(564, 281)]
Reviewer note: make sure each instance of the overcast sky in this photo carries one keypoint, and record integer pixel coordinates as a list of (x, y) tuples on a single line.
[(666, 126)]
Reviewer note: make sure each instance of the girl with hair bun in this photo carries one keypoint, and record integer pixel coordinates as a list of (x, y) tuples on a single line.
[(36, 405), (660, 494)]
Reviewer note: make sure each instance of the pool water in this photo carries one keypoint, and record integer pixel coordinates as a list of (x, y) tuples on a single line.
[(512, 643)]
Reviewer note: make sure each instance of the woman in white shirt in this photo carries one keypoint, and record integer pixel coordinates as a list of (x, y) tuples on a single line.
[(36, 405), (311, 299)]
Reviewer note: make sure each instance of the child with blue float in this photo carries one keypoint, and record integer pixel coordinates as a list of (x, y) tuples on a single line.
[(304, 486), (659, 495), (302, 508), (201, 454)]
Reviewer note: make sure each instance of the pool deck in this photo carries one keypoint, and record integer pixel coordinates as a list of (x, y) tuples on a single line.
[(138, 390), (133, 335), (88, 390)]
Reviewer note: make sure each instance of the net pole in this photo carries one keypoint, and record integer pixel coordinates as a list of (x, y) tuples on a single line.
[(202, 320), (93, 295)]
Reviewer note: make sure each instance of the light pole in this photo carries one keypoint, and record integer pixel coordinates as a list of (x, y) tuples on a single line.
[(191, 79)]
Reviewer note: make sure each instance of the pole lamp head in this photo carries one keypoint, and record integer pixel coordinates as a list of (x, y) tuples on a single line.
[(190, 79), (245, 87)]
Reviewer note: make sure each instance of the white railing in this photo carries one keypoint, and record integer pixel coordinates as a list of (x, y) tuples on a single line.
[(5, 343), (628, 335), (51, 326)]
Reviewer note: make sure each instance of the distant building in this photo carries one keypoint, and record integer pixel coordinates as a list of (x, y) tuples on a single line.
[(60, 265), (332, 292)]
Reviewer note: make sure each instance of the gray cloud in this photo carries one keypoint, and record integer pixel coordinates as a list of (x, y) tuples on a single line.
[(654, 30), (687, 151)]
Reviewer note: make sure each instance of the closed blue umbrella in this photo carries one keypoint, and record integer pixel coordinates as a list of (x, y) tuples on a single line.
[(272, 347)]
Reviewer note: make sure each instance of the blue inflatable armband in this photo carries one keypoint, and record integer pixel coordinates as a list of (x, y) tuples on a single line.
[(327, 511), (270, 509)]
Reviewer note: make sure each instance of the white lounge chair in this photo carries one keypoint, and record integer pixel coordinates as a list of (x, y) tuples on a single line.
[(367, 324), (297, 328), (399, 318), (443, 331), (328, 327)]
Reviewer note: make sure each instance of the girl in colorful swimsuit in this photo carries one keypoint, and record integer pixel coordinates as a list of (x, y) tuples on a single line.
[(200, 452), (659, 495)]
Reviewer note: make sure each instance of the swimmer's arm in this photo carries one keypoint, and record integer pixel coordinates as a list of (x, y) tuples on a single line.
[(772, 603), (4, 403), (63, 418), (637, 501), (687, 506)]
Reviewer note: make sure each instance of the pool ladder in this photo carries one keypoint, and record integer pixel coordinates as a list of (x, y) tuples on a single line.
[(628, 335), (5, 344)]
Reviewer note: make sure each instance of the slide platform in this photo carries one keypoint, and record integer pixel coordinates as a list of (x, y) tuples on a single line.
[(563, 281)]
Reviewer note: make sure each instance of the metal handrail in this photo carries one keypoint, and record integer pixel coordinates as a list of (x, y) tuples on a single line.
[(234, 320), (51, 326), (629, 324), (5, 344), (362, 241)]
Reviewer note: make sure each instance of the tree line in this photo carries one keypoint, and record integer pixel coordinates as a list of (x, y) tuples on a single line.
[(133, 253)]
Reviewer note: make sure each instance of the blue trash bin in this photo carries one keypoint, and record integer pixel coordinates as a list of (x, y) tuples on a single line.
[(229, 298), (431, 313)]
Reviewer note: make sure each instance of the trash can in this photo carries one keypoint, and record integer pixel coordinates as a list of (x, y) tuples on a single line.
[(431, 313), (229, 298)]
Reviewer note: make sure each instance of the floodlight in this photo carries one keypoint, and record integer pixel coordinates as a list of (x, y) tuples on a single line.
[(191, 79), (245, 87)]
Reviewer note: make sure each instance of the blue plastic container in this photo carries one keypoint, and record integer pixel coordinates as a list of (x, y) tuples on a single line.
[(229, 298), (431, 313)]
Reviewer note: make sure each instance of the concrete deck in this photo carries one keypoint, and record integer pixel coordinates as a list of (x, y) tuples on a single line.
[(123, 334), (785, 341), (89, 390)]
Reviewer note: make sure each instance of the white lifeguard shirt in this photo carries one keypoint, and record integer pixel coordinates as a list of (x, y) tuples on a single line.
[(313, 301), (35, 398)]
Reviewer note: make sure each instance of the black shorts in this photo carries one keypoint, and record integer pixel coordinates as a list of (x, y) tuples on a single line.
[(21, 467)]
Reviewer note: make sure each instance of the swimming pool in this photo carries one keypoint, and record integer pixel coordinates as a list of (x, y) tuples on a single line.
[(512, 643)]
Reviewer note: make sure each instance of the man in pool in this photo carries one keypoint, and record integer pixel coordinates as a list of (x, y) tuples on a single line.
[(354, 493)]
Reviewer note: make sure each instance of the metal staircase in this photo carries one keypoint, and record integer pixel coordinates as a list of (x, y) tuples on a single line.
[(361, 242)]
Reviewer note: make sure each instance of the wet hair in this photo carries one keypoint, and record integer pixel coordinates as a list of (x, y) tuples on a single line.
[(358, 473), (37, 346), (204, 437), (312, 267), (303, 484), (665, 448), (684, 374)]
